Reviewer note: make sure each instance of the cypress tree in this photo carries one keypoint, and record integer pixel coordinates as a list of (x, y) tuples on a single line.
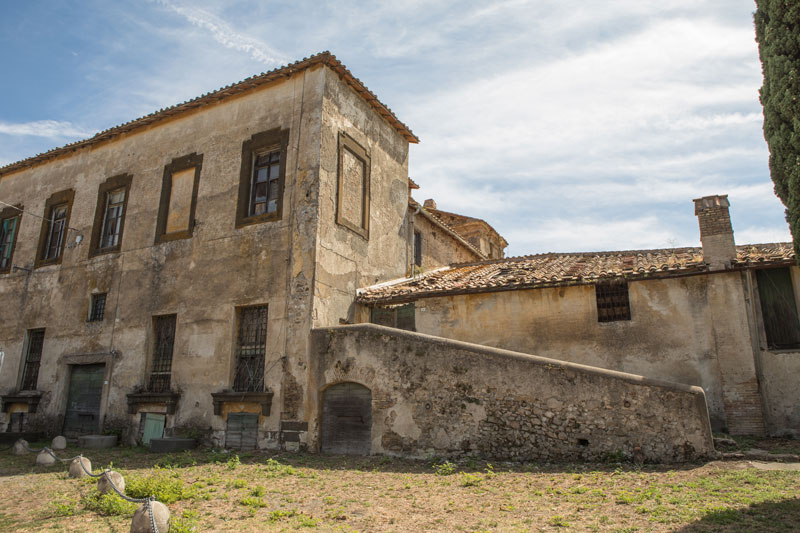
[(778, 36)]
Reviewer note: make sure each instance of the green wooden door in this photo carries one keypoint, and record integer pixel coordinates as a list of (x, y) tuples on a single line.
[(153, 427), (83, 401)]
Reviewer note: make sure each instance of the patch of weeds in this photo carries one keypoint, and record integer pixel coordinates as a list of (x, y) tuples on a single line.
[(336, 514), (470, 480), (444, 469), (258, 491), (558, 521), (722, 515), (177, 460), (277, 469), (165, 486), (385, 460), (188, 522), (108, 504), (65, 508), (252, 502), (233, 463), (280, 514), (237, 484), (306, 521)]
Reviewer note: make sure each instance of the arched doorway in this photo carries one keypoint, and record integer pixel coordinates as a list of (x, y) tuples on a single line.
[(346, 419)]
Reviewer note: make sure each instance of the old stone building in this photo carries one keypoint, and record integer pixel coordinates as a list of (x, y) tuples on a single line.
[(722, 317), (200, 270)]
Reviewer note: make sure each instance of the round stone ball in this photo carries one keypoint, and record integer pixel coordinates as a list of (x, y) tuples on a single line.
[(75, 469), (20, 447), (45, 459), (104, 486), (141, 518), (59, 443)]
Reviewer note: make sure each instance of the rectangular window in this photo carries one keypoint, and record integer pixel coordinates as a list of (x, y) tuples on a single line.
[(176, 209), (251, 348), (57, 220), (612, 300), (352, 205), (161, 369), (400, 317), (33, 358), (55, 225), (262, 176), (97, 309), (265, 185), (9, 227), (778, 308), (418, 248), (109, 215)]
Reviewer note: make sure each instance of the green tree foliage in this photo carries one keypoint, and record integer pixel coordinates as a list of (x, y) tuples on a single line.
[(778, 37)]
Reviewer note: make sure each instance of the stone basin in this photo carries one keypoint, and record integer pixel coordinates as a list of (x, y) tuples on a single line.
[(97, 441), (172, 444)]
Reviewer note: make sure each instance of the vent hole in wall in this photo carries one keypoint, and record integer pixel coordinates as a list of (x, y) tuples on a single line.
[(583, 442)]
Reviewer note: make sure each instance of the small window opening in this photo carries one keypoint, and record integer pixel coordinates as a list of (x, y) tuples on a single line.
[(401, 317), (418, 248), (161, 371), (583, 442), (612, 300), (98, 307)]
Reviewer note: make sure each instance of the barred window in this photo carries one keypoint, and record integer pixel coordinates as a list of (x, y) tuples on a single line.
[(612, 300), (33, 359), (161, 370), (97, 308), (778, 308), (251, 349)]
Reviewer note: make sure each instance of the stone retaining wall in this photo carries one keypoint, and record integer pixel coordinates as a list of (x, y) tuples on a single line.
[(434, 396)]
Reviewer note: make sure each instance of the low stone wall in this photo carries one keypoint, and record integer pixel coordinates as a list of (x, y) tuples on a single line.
[(435, 396)]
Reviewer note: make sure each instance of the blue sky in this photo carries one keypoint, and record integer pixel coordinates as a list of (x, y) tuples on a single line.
[(570, 125)]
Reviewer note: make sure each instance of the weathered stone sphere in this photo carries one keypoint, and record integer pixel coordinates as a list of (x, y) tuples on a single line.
[(45, 459), (19, 447), (75, 469), (104, 486), (141, 518), (59, 443)]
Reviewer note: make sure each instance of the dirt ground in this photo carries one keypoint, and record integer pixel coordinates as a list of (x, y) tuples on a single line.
[(211, 490)]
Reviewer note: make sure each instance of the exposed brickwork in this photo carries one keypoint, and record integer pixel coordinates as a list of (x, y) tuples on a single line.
[(716, 232)]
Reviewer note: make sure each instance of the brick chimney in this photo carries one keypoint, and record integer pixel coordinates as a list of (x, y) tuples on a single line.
[(429, 204), (716, 232)]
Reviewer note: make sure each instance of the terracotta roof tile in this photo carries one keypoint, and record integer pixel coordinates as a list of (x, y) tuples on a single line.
[(556, 269), (323, 58)]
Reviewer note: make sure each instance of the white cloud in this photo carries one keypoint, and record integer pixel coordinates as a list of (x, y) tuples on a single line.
[(756, 235), (227, 36), (51, 129)]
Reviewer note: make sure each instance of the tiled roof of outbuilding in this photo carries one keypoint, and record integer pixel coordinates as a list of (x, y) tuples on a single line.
[(558, 269), (323, 58)]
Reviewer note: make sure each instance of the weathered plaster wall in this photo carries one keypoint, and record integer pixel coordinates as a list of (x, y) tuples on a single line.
[(202, 279), (438, 396), (673, 335), (345, 259), (440, 248)]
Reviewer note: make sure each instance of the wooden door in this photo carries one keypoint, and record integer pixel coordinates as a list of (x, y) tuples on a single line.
[(153, 427), (83, 400), (347, 419), (242, 431)]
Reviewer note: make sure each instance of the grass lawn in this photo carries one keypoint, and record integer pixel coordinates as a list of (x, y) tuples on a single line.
[(216, 491)]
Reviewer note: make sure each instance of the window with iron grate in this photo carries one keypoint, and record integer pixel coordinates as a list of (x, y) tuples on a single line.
[(251, 349), (33, 359), (612, 300), (97, 310), (161, 369)]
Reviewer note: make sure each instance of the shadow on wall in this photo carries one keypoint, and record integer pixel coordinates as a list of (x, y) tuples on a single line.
[(783, 515)]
